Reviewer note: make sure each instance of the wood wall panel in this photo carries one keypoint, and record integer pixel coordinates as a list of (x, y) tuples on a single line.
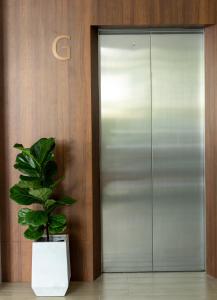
[(42, 96), (211, 148), (3, 176), (47, 97), (155, 12)]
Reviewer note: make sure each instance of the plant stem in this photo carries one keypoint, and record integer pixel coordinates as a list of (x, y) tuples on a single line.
[(47, 232)]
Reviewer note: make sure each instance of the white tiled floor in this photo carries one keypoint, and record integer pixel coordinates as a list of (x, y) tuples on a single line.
[(146, 286)]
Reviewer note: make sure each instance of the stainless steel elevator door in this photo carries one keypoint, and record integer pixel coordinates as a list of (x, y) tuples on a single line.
[(126, 153), (152, 151), (178, 151)]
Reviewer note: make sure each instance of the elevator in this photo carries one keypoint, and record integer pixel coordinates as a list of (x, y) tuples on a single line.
[(152, 149)]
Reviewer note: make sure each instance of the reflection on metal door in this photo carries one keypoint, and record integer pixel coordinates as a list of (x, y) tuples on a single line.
[(152, 119), (126, 152)]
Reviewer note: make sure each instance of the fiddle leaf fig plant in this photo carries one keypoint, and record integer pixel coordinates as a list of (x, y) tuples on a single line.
[(36, 185)]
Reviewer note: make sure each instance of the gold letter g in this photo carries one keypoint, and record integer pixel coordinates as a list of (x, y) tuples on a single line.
[(54, 48)]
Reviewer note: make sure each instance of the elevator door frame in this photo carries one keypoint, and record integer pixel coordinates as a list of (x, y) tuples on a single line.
[(155, 31)]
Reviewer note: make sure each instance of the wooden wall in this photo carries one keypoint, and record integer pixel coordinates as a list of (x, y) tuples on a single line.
[(211, 148), (48, 97), (42, 96), (3, 184)]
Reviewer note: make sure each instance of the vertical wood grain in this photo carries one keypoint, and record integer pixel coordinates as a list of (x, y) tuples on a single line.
[(47, 97), (211, 148), (156, 12), (3, 182)]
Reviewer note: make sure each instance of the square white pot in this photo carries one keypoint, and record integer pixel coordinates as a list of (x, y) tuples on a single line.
[(51, 270)]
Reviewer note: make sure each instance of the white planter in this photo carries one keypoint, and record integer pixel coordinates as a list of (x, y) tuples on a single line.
[(51, 270)]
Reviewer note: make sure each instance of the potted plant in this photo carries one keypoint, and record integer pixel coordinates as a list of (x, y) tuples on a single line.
[(50, 250)]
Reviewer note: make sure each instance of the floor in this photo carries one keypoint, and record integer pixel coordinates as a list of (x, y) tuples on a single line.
[(152, 286)]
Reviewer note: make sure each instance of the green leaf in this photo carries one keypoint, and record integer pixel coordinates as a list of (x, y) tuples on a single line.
[(22, 196), (42, 193), (24, 151), (36, 218), (56, 230), (66, 200), (28, 178), (57, 223), (28, 153), (50, 170), (42, 148), (26, 165), (31, 184), (57, 220), (63, 201), (19, 146), (34, 233), (51, 207), (54, 185), (22, 215), (50, 203)]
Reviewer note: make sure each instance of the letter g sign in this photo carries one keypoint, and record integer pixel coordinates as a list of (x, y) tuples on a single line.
[(54, 48)]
